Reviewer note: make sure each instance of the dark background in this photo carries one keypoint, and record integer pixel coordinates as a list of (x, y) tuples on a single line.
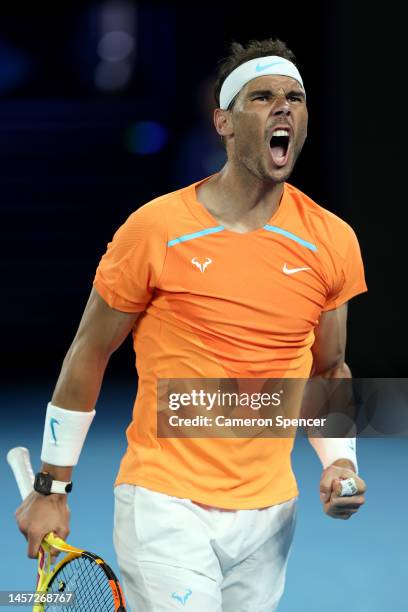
[(75, 158)]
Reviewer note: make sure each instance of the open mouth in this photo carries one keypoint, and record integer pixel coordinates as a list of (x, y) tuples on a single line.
[(279, 145)]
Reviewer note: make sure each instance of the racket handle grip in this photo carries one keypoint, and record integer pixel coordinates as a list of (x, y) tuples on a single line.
[(19, 460)]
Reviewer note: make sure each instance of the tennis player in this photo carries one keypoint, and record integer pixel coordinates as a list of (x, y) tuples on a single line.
[(240, 275)]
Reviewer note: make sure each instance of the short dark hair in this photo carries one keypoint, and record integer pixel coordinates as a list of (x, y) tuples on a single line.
[(239, 54)]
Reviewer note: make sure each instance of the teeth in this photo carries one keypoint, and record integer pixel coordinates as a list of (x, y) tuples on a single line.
[(280, 133)]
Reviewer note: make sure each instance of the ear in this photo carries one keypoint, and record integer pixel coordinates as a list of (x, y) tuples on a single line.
[(223, 122)]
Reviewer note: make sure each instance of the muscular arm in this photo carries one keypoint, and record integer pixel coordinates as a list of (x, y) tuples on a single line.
[(101, 331), (328, 363), (329, 358), (330, 345)]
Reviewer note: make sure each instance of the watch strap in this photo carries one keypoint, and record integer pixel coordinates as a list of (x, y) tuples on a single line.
[(45, 484), (58, 486)]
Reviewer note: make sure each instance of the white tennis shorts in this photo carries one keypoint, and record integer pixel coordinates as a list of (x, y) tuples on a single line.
[(177, 555)]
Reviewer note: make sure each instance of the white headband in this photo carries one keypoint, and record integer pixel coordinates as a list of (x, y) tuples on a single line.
[(271, 64)]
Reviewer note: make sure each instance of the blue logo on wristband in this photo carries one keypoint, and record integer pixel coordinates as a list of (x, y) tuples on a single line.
[(52, 423)]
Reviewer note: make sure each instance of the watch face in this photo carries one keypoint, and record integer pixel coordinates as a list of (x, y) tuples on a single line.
[(43, 483)]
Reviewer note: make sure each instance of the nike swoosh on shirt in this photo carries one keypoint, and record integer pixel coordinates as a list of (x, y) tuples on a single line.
[(287, 270)]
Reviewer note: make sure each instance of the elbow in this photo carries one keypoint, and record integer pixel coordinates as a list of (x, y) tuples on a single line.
[(338, 370)]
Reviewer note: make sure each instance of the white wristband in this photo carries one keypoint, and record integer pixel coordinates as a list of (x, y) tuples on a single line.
[(64, 435), (331, 449)]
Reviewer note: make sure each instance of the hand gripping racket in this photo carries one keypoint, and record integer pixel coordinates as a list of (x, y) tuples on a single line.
[(95, 586)]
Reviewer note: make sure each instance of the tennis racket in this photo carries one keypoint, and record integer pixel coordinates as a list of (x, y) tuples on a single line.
[(93, 584)]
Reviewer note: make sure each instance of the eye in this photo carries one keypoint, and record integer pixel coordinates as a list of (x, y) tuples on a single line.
[(294, 98), (261, 98)]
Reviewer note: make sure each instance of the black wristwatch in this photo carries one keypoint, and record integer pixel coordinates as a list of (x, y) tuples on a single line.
[(45, 484)]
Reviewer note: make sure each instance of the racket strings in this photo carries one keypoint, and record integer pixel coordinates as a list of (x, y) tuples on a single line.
[(88, 581)]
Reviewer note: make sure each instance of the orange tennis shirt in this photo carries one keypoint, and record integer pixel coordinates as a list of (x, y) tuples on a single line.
[(218, 304)]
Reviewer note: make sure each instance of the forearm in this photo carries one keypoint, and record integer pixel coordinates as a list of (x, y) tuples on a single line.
[(335, 398), (80, 380), (77, 389), (325, 393)]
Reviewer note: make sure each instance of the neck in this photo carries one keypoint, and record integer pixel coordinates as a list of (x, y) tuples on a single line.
[(239, 200)]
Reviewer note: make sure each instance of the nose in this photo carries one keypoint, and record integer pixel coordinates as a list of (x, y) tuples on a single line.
[(281, 105)]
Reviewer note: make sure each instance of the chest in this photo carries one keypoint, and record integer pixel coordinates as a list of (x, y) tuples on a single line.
[(262, 276)]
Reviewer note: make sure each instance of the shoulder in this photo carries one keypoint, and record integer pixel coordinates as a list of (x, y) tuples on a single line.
[(324, 225), (156, 211)]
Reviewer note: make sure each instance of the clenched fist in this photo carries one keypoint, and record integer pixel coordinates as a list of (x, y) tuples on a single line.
[(334, 504)]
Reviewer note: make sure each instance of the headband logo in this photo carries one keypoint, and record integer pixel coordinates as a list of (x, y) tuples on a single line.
[(260, 68)]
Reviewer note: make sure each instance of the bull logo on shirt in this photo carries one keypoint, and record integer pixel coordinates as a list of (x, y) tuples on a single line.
[(201, 266)]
